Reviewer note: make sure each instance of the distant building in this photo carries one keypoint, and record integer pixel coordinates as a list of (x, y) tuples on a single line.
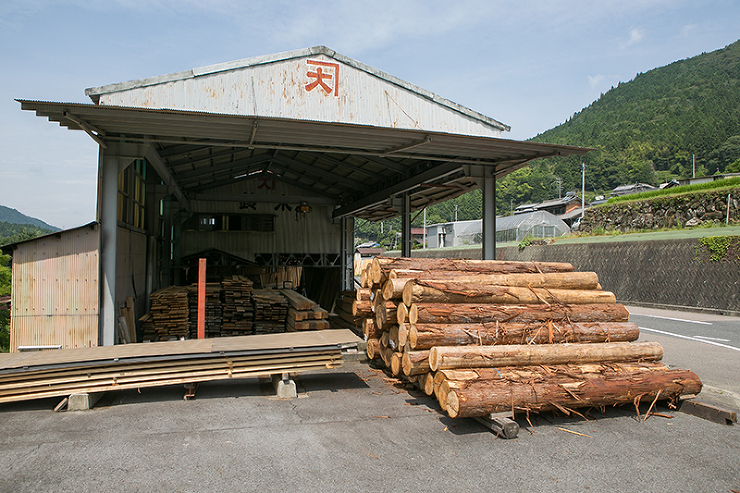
[(630, 189), (567, 209)]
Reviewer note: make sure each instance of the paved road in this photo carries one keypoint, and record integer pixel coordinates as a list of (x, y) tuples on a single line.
[(707, 344)]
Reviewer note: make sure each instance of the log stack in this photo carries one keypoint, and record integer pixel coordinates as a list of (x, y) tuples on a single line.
[(495, 336), (350, 309)]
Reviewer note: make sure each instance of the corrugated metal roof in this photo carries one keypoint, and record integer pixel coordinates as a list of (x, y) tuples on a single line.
[(357, 168)]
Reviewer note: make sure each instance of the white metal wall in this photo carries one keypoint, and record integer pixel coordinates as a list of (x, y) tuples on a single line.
[(287, 89), (55, 291), (313, 233)]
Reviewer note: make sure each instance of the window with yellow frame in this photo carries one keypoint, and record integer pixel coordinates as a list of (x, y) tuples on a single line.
[(132, 194)]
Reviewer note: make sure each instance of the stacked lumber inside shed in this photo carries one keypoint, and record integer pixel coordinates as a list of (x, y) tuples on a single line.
[(304, 314), (496, 336), (170, 313), (270, 311), (238, 312)]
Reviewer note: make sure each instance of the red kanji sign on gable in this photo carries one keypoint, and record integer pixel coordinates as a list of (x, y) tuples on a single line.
[(324, 76)]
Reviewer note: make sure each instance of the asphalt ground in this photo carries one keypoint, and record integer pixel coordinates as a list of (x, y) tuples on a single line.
[(351, 429)]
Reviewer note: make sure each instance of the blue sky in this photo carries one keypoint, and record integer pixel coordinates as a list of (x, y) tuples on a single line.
[(529, 64)]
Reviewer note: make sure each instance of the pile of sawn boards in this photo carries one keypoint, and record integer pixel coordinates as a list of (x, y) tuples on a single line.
[(26, 376), (232, 308), (494, 336)]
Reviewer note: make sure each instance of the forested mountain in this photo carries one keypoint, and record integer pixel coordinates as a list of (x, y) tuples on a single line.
[(12, 216), (645, 130)]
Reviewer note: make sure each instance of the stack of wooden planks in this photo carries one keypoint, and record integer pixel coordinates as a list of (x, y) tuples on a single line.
[(270, 311), (304, 314), (26, 376), (494, 336), (238, 312), (170, 314)]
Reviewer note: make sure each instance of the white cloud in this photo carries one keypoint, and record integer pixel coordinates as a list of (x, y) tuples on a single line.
[(636, 35)]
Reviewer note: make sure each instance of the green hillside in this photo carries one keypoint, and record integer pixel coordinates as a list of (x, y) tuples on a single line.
[(645, 130), (12, 216)]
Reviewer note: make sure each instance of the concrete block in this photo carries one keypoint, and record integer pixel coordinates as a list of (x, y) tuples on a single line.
[(285, 388), (83, 402)]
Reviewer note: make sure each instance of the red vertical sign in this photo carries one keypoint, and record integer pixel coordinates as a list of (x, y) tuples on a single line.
[(201, 298)]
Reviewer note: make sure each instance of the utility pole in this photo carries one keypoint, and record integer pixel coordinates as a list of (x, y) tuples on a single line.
[(559, 182), (693, 166), (424, 243), (455, 212), (583, 189)]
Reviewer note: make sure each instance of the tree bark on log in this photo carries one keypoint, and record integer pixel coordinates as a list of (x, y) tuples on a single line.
[(438, 292), (369, 329), (380, 266), (430, 313), (426, 336), (564, 393), (385, 313), (450, 357), (415, 362)]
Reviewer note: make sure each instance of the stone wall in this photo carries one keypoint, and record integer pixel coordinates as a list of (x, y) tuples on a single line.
[(664, 212)]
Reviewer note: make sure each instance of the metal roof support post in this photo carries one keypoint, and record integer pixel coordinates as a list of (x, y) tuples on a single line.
[(347, 254), (406, 225), (108, 164), (489, 215)]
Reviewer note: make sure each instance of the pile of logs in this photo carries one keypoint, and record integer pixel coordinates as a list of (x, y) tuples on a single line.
[(304, 314), (270, 311), (238, 312), (495, 336)]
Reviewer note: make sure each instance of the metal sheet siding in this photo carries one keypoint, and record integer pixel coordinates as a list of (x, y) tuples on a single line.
[(55, 291), (315, 233), (284, 89)]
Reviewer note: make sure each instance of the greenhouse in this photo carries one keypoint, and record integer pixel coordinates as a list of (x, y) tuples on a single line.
[(538, 224)]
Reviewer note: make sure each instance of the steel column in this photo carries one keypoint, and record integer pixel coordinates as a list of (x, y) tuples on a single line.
[(406, 225), (347, 252), (489, 214)]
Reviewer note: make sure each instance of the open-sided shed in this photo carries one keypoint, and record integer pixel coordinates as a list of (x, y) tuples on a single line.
[(270, 159)]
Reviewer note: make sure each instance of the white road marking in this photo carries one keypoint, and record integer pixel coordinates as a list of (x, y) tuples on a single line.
[(690, 338), (675, 319), (712, 338)]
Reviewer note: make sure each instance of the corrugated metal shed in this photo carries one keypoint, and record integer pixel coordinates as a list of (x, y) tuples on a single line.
[(311, 84), (54, 290)]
